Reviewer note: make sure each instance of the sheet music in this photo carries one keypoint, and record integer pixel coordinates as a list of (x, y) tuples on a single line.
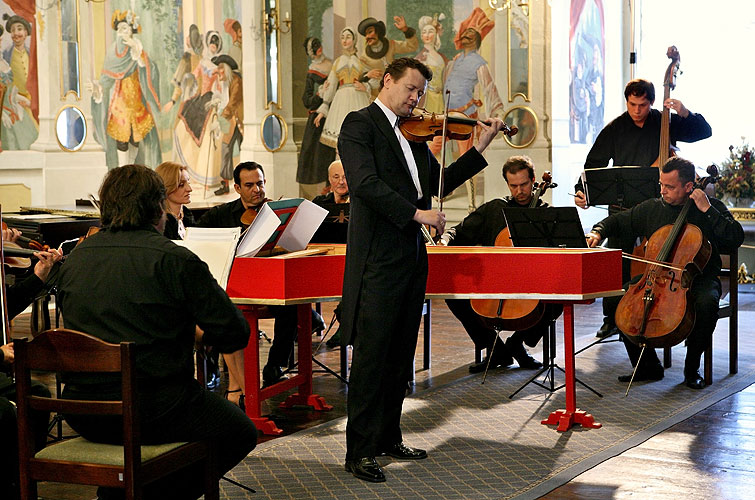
[(215, 246), (259, 232), (303, 225)]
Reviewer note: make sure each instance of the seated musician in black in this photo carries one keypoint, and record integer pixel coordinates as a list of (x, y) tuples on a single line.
[(481, 227), (338, 195), (178, 194), (724, 233), (19, 296), (129, 283), (249, 183)]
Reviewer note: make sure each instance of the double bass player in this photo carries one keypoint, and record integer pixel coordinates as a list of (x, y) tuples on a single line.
[(677, 178)]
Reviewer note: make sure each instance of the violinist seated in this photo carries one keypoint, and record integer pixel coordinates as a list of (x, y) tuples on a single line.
[(725, 234), (19, 296), (333, 229), (249, 183), (632, 139), (482, 227)]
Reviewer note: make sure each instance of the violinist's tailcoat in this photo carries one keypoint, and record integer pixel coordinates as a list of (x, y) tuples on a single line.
[(386, 270)]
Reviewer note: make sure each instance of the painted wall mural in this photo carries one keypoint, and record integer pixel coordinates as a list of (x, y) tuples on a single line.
[(587, 66), (19, 125)]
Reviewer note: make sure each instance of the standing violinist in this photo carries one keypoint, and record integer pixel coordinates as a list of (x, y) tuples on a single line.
[(482, 227), (633, 139), (677, 178), (249, 183), (391, 184)]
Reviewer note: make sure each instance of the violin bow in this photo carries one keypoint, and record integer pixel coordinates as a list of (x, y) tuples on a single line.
[(3, 296), (443, 152)]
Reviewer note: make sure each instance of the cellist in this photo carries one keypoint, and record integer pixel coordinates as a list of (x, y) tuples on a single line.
[(677, 178), (631, 139), (481, 227)]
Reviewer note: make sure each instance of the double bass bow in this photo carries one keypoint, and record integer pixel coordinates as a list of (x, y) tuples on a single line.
[(655, 311), (514, 314)]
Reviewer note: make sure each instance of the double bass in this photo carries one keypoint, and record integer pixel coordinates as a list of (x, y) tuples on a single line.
[(514, 314), (655, 311), (665, 149)]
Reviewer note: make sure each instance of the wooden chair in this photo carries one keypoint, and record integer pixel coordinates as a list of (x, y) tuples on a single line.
[(78, 461), (727, 308)]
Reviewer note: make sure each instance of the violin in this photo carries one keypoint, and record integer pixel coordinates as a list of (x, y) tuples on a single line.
[(423, 126), (30, 243), (655, 311), (249, 215), (514, 314), (666, 150)]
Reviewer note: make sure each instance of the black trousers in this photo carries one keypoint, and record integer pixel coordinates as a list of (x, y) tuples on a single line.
[(385, 340), (9, 432), (705, 294), (172, 412), (482, 333)]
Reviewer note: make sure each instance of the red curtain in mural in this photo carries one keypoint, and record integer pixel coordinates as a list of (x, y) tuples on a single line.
[(25, 9), (575, 12)]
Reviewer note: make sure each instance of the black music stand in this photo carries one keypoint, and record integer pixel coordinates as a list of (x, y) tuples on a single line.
[(555, 227), (619, 188), (623, 187)]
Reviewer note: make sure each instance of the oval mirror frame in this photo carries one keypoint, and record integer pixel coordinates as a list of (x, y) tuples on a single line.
[(66, 125), (273, 138), (523, 118)]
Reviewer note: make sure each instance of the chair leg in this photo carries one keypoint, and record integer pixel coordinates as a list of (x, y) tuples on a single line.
[(708, 363), (667, 357), (211, 479)]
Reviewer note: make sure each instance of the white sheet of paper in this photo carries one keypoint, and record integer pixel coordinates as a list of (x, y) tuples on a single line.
[(302, 227), (255, 237), (215, 246)]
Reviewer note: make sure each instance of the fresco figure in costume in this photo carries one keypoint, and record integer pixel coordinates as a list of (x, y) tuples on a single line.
[(188, 63), (312, 168), (231, 110), (125, 98), (378, 51), (233, 28), (19, 127), (196, 139), (468, 77), (343, 93), (430, 30)]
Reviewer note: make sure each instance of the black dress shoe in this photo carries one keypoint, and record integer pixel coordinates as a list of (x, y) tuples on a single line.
[(522, 357), (403, 452), (318, 324), (694, 381), (497, 362), (335, 339), (606, 330), (272, 375), (650, 375), (366, 468)]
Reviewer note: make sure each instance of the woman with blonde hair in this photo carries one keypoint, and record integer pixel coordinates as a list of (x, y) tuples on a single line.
[(178, 194)]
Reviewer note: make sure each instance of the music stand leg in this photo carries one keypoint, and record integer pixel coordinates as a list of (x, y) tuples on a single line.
[(549, 352)]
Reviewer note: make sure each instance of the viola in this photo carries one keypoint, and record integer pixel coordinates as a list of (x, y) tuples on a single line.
[(666, 150), (514, 314), (655, 311), (423, 126)]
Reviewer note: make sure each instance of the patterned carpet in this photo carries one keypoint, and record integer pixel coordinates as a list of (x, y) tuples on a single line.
[(482, 445)]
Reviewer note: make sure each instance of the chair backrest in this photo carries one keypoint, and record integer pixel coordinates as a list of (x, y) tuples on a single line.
[(70, 351)]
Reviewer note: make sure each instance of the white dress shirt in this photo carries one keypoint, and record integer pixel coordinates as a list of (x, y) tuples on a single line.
[(393, 118)]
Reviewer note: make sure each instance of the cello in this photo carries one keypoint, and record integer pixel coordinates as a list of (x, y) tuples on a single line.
[(655, 311), (514, 314)]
